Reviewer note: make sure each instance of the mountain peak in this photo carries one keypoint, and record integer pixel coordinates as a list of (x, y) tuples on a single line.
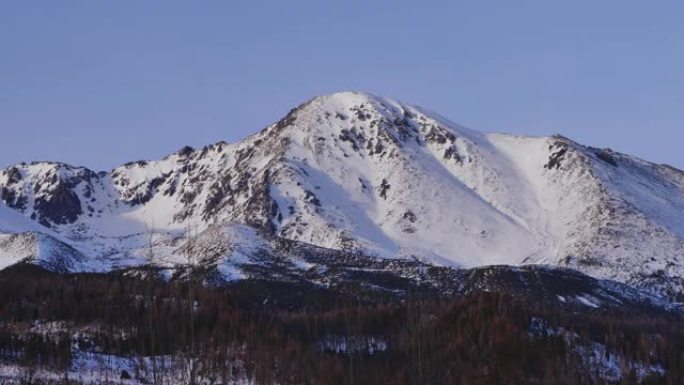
[(344, 102), (348, 98), (361, 114)]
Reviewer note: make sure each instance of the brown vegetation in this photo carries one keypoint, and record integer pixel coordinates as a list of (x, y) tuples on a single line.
[(479, 339)]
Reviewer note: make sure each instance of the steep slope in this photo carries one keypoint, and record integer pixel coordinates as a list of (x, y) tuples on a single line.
[(367, 175), (21, 240)]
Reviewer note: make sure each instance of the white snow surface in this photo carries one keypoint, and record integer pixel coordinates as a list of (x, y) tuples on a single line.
[(359, 172)]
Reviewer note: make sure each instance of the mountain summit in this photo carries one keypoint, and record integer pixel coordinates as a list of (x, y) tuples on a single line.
[(356, 173)]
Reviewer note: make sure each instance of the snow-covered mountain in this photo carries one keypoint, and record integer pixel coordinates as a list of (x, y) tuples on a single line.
[(365, 175)]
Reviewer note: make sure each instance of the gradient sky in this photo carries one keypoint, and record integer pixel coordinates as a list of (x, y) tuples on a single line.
[(99, 83)]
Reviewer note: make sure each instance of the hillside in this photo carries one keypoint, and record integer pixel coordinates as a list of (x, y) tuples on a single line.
[(356, 173)]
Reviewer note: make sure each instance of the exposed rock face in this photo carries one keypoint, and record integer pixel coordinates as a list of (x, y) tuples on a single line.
[(60, 206), (355, 172)]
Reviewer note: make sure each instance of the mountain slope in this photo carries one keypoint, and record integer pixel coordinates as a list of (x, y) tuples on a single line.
[(368, 175)]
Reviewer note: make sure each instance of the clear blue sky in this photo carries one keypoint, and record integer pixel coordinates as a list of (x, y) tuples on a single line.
[(98, 83)]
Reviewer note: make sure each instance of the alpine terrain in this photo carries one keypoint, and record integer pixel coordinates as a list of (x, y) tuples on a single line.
[(355, 174)]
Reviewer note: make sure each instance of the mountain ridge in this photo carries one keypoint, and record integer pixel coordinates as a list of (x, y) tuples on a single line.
[(356, 172)]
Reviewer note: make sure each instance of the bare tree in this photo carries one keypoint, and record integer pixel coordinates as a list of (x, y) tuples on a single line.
[(190, 250), (149, 234)]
